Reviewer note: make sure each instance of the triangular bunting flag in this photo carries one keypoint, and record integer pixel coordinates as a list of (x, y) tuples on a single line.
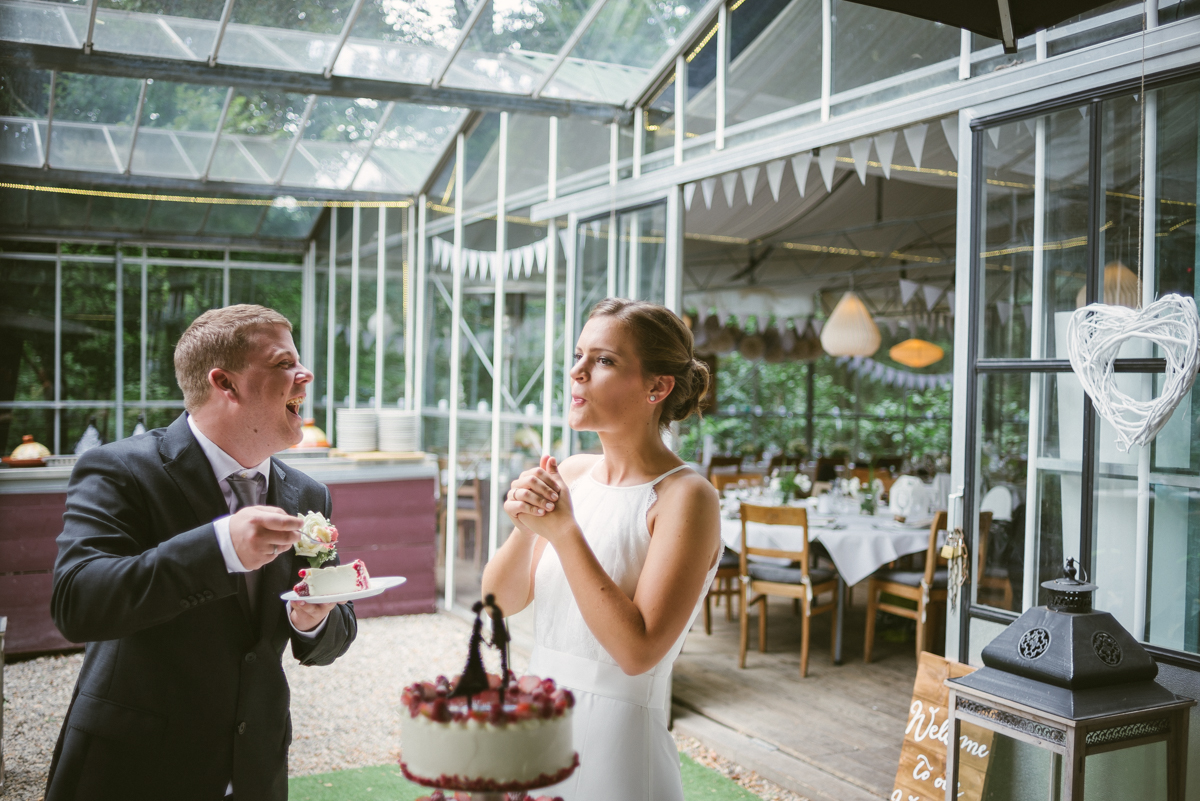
[(914, 138), (689, 192), (539, 251), (1004, 309), (892, 326), (472, 262), (817, 326), (707, 187), (950, 130), (907, 290), (994, 135), (826, 162), (729, 185), (885, 148), (800, 166), (527, 258), (860, 151), (1031, 126), (950, 299), (775, 177), (1027, 313), (750, 183), (932, 295), (595, 226)]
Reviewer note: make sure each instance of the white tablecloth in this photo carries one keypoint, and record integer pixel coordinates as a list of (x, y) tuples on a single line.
[(858, 544)]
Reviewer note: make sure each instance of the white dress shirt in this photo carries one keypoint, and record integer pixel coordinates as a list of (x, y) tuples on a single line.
[(224, 465)]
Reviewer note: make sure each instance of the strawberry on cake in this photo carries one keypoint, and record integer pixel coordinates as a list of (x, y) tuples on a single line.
[(485, 734)]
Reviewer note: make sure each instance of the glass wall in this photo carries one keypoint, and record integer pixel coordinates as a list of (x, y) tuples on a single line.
[(90, 330), (1071, 217)]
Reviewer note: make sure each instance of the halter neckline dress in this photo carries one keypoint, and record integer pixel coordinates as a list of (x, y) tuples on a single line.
[(620, 721)]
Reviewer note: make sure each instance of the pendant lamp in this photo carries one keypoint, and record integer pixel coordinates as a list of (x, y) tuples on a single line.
[(916, 353), (1121, 287), (850, 331)]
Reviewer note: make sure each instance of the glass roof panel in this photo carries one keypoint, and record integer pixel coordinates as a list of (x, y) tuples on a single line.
[(304, 16), (514, 44), (403, 40), (613, 58), (286, 220), (338, 132), (233, 220), (409, 147), (43, 23), (183, 218), (24, 92), (273, 48), (93, 122), (146, 35), (183, 106), (528, 153)]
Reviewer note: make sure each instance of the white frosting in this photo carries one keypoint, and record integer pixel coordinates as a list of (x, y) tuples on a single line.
[(515, 752), (333, 580)]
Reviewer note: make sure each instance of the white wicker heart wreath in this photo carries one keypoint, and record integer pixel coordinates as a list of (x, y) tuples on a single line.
[(1095, 335)]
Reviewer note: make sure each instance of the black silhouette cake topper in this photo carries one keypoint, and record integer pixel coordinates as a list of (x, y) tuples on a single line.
[(474, 678)]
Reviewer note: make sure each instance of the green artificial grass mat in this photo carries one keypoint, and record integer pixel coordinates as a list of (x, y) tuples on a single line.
[(386, 783)]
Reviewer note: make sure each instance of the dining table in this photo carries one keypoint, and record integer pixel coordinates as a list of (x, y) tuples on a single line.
[(858, 544)]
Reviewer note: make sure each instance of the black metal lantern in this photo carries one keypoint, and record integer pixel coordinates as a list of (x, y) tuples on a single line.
[(1071, 680)]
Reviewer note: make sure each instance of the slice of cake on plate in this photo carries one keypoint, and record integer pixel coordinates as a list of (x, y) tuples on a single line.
[(333, 580)]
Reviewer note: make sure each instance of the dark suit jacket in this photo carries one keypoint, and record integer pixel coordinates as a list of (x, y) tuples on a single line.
[(181, 689)]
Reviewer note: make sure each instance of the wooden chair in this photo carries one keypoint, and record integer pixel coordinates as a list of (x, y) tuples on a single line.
[(725, 585), (469, 510), (798, 581), (723, 480), (991, 578), (927, 587), (782, 460), (722, 462)]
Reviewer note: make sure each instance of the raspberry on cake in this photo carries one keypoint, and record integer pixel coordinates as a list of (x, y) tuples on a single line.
[(333, 580), (485, 734)]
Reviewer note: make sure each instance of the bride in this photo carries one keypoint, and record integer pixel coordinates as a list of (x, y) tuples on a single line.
[(618, 550)]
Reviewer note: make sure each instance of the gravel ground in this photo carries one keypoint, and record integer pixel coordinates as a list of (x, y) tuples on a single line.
[(344, 716)]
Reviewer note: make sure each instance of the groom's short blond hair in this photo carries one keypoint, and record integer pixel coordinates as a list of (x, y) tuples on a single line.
[(218, 338)]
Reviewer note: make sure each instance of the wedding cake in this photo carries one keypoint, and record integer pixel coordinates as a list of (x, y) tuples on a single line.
[(486, 734)]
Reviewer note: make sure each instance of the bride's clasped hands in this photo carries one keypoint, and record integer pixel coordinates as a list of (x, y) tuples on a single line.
[(539, 502)]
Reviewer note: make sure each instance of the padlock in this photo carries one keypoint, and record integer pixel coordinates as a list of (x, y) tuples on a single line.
[(951, 551)]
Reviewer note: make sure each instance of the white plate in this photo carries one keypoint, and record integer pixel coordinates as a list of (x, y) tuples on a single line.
[(378, 585)]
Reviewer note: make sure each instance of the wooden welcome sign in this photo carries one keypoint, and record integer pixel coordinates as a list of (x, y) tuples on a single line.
[(922, 772)]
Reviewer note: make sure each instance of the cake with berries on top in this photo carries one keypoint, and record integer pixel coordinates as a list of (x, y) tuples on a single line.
[(333, 580), (485, 734)]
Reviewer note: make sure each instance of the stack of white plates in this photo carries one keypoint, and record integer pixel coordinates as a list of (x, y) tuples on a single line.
[(398, 430), (357, 430)]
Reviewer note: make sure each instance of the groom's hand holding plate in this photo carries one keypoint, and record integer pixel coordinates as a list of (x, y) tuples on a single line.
[(261, 533)]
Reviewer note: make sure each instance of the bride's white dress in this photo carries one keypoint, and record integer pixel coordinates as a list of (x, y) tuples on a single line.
[(620, 721)]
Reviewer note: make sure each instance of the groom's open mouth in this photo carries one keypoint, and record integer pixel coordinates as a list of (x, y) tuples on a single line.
[(293, 405)]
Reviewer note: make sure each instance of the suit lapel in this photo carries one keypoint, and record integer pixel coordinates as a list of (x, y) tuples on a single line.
[(279, 575), (189, 468)]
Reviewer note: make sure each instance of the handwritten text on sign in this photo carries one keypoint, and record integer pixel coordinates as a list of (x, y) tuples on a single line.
[(922, 772)]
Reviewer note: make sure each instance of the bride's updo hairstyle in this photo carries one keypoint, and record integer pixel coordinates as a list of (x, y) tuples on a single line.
[(664, 345)]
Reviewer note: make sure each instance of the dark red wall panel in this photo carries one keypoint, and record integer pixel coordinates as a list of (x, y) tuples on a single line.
[(31, 523), (25, 599)]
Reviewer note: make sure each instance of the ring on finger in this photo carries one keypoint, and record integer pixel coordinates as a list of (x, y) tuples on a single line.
[(274, 549)]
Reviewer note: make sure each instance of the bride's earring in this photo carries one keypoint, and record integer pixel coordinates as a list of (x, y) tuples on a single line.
[(652, 399)]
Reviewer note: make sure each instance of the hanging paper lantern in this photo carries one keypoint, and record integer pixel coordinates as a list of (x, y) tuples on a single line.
[(850, 331), (916, 353), (1121, 287), (725, 340)]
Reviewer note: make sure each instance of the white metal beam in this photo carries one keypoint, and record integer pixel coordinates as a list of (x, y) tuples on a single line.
[(342, 37), (498, 376), (461, 41), (1167, 48), (569, 45), (137, 124), (49, 119), (93, 6), (460, 151), (692, 32), (226, 13), (379, 129), (291, 151), (212, 151)]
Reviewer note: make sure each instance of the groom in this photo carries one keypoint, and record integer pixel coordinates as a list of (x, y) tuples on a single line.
[(175, 549)]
